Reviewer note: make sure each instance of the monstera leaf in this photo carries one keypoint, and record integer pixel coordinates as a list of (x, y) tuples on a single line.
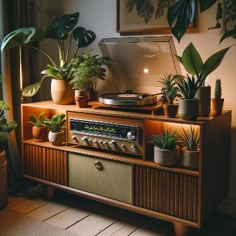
[(61, 26), (23, 36), (181, 14), (83, 37)]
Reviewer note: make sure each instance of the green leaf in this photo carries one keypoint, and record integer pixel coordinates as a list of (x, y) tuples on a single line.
[(31, 90), (205, 4), (22, 36), (192, 60), (213, 62), (229, 33), (61, 26), (83, 37), (180, 15)]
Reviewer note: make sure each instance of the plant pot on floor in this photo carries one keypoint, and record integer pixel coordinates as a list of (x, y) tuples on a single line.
[(165, 157), (62, 92), (188, 108)]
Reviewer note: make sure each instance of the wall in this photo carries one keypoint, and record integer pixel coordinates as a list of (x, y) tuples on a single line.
[(100, 16)]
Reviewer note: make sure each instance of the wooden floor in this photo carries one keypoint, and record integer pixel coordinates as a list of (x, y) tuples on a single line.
[(85, 217)]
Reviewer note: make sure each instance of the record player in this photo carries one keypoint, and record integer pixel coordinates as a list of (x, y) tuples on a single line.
[(138, 64)]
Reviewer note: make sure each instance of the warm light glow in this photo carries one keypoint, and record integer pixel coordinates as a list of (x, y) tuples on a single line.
[(146, 70)]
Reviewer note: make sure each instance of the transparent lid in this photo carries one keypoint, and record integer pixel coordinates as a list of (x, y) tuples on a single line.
[(139, 62)]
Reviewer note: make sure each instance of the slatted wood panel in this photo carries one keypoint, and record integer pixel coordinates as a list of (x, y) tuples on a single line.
[(45, 163), (167, 192)]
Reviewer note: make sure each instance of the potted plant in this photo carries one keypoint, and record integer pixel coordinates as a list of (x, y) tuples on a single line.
[(188, 104), (165, 148), (39, 130), (56, 134), (87, 70), (170, 90), (194, 65), (217, 102), (64, 31), (6, 126), (189, 141)]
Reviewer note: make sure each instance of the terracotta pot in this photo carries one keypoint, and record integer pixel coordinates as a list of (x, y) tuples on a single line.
[(170, 110), (92, 95), (204, 96), (188, 109), (81, 98), (189, 159), (217, 106), (56, 138), (165, 157), (39, 134), (62, 92), (3, 180)]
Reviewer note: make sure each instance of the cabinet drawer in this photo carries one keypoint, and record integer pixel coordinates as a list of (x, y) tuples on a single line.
[(103, 177)]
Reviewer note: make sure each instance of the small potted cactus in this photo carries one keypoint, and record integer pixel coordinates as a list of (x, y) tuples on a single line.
[(217, 102)]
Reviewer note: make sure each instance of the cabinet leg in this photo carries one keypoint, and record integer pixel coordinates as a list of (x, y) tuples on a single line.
[(181, 229), (50, 192)]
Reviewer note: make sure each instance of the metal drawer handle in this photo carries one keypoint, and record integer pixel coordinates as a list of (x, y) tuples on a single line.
[(98, 165)]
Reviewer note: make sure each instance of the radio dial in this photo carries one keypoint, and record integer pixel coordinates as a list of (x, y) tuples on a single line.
[(74, 138), (133, 147), (131, 135)]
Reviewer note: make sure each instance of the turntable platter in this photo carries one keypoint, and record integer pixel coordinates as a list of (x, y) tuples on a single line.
[(127, 99)]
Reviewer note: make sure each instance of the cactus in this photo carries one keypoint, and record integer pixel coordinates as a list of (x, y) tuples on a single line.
[(218, 89)]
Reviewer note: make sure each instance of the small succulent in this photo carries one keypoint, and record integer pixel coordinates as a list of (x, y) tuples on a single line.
[(167, 140), (189, 139), (218, 89), (188, 86)]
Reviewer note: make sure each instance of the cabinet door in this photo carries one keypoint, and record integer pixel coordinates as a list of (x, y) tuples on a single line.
[(167, 192), (45, 163), (102, 177)]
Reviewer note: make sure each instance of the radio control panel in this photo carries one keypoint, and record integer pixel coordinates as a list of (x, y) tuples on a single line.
[(105, 135)]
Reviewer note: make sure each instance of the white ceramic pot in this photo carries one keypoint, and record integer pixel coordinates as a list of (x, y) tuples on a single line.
[(56, 138)]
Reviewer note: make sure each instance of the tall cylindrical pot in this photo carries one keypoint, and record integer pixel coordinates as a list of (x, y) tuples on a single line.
[(204, 96)]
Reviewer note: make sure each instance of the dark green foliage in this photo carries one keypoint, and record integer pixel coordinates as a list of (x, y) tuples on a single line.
[(87, 69), (189, 139), (188, 86), (167, 140), (55, 123), (5, 126), (37, 120), (218, 89), (169, 87), (64, 30)]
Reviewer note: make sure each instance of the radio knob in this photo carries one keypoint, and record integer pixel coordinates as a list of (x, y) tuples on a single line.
[(112, 143), (123, 146), (133, 147), (95, 142), (131, 135), (85, 140), (74, 138)]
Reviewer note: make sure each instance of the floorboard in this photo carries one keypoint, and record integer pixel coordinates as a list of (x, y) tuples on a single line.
[(68, 214)]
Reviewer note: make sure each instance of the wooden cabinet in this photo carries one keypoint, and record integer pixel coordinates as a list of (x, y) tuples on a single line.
[(132, 181)]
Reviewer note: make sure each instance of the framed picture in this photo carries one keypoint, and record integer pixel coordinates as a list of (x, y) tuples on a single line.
[(150, 18)]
